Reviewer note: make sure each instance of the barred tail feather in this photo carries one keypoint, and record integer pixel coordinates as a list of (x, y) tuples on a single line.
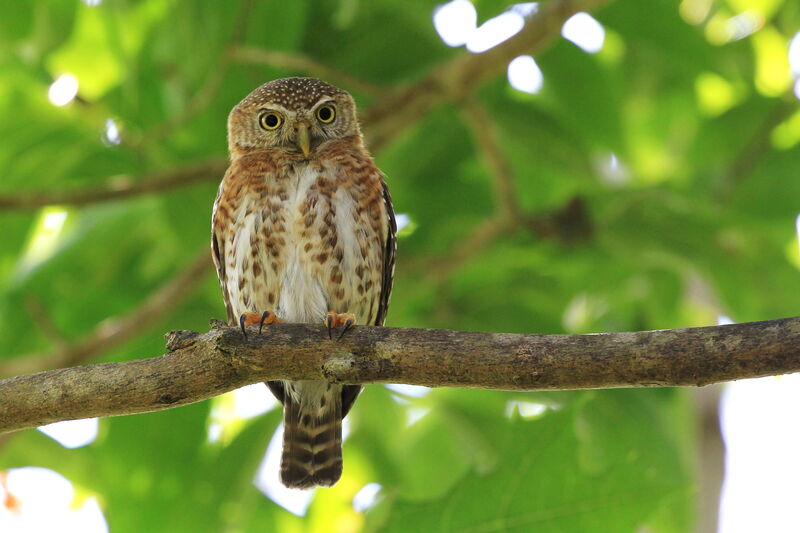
[(312, 443)]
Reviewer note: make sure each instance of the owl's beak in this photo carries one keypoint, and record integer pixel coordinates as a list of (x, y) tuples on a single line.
[(303, 139)]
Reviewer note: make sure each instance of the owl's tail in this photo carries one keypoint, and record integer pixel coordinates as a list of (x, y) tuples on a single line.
[(312, 442)]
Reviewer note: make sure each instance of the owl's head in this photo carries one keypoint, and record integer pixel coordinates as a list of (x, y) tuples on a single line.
[(297, 115)]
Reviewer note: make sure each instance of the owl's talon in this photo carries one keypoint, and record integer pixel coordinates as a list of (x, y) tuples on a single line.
[(268, 317), (333, 319), (348, 323), (330, 322), (242, 320), (248, 319)]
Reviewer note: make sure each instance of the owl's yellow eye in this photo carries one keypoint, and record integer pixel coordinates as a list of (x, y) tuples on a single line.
[(270, 120), (326, 114)]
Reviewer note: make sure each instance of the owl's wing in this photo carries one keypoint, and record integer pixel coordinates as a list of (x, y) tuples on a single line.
[(389, 252), (351, 392), (218, 253)]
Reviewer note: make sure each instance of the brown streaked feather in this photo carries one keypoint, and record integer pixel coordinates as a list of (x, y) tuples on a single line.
[(218, 253), (389, 253), (312, 445), (351, 392), (219, 221)]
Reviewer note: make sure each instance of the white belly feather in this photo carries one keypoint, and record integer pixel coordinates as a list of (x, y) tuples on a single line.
[(300, 295)]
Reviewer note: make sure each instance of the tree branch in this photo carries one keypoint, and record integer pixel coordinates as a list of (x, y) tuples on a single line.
[(199, 366), (568, 223), (41, 317), (757, 146), (205, 95), (459, 77), (473, 244), (484, 133), (116, 188), (116, 330)]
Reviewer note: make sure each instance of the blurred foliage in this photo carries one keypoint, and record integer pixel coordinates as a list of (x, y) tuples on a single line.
[(695, 219)]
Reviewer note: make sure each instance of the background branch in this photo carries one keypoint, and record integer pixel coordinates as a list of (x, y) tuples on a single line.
[(200, 366), (119, 187), (484, 132), (567, 224), (41, 317), (205, 95), (459, 77), (757, 146), (114, 331), (472, 245)]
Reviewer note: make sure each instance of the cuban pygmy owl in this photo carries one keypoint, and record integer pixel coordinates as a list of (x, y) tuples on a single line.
[(303, 231)]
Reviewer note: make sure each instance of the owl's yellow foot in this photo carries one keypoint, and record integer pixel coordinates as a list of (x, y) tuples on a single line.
[(346, 320), (248, 319)]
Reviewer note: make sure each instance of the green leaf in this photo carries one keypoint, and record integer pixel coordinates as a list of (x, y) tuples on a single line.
[(603, 461)]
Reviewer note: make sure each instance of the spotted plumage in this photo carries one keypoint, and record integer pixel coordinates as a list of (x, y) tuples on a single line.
[(303, 227)]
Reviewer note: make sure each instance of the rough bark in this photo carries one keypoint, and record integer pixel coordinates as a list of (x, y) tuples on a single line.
[(199, 366)]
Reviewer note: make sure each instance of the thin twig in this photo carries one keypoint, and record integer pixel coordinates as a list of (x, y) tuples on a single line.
[(757, 146), (439, 269), (114, 331), (200, 366), (506, 217), (293, 61), (201, 99), (41, 317), (119, 187), (453, 80), (484, 131), (566, 224)]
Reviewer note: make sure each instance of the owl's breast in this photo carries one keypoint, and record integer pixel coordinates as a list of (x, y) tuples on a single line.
[(306, 245), (302, 296)]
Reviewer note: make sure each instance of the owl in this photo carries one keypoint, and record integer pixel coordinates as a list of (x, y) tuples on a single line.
[(303, 231)]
